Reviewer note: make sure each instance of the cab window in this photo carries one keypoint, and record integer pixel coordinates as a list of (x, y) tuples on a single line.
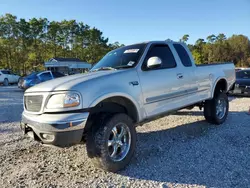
[(182, 53), (164, 53), (6, 72), (45, 76)]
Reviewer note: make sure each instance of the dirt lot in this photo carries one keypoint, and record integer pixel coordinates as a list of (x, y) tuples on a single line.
[(180, 150)]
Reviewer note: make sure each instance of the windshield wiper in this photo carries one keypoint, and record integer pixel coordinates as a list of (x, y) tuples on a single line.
[(123, 67), (103, 68)]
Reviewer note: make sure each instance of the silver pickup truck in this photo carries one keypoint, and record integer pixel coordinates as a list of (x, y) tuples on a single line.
[(127, 87)]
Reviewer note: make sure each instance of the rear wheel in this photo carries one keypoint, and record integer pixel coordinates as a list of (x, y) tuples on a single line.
[(216, 109), (113, 142), (6, 82)]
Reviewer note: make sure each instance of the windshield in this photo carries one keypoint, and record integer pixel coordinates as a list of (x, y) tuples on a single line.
[(126, 57), (32, 75), (243, 74)]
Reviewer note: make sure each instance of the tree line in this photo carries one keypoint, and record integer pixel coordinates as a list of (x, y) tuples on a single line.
[(26, 44), (219, 48)]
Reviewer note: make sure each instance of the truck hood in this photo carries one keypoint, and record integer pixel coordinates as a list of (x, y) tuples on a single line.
[(68, 82)]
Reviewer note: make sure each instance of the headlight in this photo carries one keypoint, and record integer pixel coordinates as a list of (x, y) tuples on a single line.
[(71, 100), (63, 100)]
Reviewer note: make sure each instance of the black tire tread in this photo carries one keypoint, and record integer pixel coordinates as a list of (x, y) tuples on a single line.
[(210, 109), (4, 82), (100, 159)]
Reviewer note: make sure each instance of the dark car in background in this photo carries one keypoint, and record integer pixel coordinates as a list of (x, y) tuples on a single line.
[(37, 77), (242, 83)]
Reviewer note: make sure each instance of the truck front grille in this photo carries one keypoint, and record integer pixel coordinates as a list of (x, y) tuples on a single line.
[(33, 103)]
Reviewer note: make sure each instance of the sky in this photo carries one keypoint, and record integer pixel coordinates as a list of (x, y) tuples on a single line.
[(134, 21)]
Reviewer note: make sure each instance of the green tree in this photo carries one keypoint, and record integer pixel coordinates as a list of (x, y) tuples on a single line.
[(26, 44), (198, 51), (184, 38), (9, 34), (221, 37), (240, 50), (211, 38)]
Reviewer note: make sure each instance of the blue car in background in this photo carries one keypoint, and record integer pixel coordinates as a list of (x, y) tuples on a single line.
[(37, 77)]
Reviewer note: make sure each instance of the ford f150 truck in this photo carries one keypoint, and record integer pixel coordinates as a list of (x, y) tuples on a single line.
[(127, 87)]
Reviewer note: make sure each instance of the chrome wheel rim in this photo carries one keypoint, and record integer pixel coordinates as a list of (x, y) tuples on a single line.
[(119, 142), (221, 108)]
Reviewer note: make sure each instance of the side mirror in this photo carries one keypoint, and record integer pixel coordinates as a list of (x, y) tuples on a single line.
[(154, 62)]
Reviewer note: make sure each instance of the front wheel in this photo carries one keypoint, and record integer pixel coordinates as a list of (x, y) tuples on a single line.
[(114, 142), (216, 109), (6, 82)]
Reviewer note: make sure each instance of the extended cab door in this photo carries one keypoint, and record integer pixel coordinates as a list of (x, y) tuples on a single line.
[(163, 87), (187, 69)]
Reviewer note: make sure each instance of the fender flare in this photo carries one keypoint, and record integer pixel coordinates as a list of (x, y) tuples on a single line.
[(216, 82), (117, 94)]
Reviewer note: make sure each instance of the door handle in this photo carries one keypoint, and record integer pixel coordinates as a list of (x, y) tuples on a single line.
[(179, 76)]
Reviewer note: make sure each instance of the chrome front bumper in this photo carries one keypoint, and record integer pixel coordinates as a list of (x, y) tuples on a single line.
[(60, 129)]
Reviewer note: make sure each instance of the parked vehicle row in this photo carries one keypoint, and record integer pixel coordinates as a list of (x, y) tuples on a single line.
[(127, 87), (242, 83), (7, 77), (37, 77)]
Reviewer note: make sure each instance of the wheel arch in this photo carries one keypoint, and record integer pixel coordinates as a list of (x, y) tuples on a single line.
[(6, 78), (117, 101), (220, 85)]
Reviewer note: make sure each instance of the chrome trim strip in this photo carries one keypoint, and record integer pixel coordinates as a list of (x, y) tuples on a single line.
[(165, 96), (173, 95)]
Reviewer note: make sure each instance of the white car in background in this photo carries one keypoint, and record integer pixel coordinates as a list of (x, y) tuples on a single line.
[(7, 77)]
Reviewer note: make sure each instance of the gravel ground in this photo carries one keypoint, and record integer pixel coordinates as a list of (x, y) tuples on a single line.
[(180, 150)]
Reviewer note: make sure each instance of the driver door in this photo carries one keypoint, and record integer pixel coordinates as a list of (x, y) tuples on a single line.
[(162, 86), (14, 78)]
